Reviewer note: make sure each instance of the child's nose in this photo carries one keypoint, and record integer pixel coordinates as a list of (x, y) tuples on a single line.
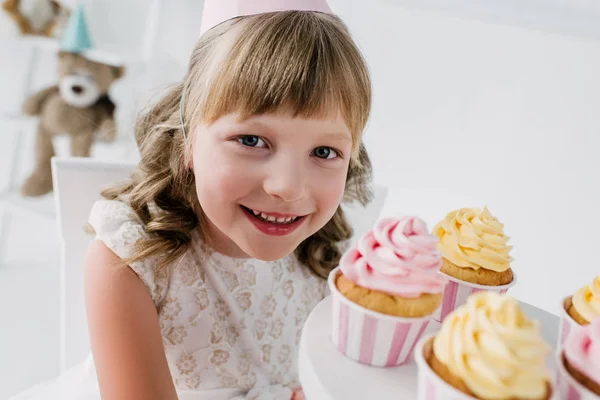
[(286, 180)]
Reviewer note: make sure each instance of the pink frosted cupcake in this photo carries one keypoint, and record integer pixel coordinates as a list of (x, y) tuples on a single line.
[(579, 364), (385, 291)]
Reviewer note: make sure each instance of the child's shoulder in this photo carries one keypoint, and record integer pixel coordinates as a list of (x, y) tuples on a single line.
[(114, 221), (117, 225)]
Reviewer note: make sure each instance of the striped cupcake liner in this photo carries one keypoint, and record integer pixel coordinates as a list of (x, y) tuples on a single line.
[(430, 385), (456, 293), (567, 387), (567, 323), (369, 337)]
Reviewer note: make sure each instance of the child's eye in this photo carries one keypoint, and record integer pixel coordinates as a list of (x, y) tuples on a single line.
[(251, 141), (325, 153)]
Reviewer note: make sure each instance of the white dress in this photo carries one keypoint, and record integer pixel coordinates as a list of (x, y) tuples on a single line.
[(230, 327)]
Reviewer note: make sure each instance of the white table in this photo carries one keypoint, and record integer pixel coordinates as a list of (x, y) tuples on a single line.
[(326, 374)]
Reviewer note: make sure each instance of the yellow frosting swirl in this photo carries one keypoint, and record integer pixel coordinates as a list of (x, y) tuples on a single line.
[(491, 345), (587, 300), (474, 238)]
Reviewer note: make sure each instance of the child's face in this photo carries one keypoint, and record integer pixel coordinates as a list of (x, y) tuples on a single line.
[(281, 167)]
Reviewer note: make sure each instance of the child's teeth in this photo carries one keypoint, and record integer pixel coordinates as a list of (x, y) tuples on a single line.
[(270, 218)]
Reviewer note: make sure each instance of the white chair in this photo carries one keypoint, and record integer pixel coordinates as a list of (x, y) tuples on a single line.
[(78, 183)]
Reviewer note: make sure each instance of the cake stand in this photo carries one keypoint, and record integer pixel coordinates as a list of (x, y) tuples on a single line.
[(326, 374)]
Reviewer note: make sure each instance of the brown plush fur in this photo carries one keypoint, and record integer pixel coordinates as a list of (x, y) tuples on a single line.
[(385, 303), (443, 372), (481, 276), (57, 117), (12, 9), (572, 311)]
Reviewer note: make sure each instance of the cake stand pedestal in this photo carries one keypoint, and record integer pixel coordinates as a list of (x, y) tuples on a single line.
[(326, 374)]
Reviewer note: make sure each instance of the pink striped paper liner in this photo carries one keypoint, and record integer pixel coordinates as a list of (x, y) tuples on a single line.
[(430, 385), (369, 337), (567, 387), (456, 293), (567, 323)]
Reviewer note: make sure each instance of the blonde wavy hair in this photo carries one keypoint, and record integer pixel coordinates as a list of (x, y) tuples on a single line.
[(301, 62)]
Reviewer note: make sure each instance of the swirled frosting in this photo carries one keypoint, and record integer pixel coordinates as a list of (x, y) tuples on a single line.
[(491, 345), (587, 300), (398, 256), (474, 238)]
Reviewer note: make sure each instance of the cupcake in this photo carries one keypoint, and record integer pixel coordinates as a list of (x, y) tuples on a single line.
[(586, 303), (385, 291), (486, 349), (580, 309), (475, 256), (579, 364)]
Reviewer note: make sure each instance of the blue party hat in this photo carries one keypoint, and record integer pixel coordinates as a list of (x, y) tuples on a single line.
[(77, 38)]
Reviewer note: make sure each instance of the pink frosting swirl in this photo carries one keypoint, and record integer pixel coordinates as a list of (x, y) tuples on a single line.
[(398, 256), (582, 350)]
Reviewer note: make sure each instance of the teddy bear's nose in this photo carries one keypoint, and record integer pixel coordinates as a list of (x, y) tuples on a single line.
[(77, 89)]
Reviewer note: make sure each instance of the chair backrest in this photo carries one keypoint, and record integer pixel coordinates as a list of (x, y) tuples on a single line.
[(77, 185)]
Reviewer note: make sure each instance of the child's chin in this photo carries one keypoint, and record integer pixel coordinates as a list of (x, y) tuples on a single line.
[(265, 252)]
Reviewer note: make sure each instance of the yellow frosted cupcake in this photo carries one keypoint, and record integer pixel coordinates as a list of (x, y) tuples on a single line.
[(486, 349), (475, 256), (474, 247), (584, 306)]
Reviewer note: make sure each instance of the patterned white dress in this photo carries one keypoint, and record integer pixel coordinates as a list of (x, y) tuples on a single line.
[(230, 327)]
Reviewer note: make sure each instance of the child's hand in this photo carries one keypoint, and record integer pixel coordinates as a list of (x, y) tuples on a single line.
[(298, 395)]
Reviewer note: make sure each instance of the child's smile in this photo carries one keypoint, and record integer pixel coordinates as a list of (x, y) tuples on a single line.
[(272, 223)]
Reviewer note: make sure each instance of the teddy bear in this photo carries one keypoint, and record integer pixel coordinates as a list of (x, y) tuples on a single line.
[(78, 106), (36, 17)]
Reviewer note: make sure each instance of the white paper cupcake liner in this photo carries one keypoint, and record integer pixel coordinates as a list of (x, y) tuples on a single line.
[(369, 337)]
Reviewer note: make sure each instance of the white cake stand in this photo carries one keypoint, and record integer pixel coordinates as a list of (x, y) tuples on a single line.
[(326, 374)]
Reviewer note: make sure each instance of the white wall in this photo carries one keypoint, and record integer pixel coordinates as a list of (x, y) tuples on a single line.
[(467, 113)]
